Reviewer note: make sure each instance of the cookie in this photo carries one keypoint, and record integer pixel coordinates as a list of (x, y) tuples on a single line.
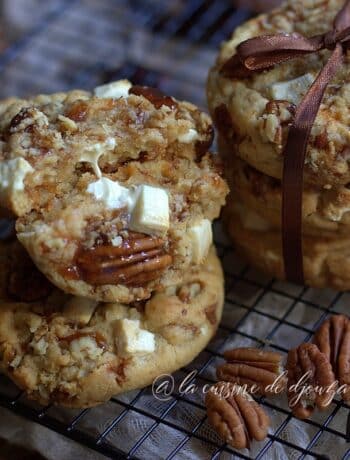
[(76, 352), (254, 114), (326, 259), (325, 211), (114, 190)]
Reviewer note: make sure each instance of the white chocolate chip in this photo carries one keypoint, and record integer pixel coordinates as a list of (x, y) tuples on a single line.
[(190, 136), (16, 361), (93, 153), (131, 339), (12, 175), (112, 194), (201, 237), (292, 90), (39, 347), (151, 212), (114, 90), (148, 206), (117, 241)]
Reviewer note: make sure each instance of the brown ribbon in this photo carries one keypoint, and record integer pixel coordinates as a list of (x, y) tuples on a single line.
[(262, 53)]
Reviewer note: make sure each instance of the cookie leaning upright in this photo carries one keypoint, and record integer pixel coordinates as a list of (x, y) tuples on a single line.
[(114, 191), (254, 113), (77, 352)]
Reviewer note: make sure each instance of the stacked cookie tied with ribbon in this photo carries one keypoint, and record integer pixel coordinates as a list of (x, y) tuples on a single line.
[(279, 94), (112, 277)]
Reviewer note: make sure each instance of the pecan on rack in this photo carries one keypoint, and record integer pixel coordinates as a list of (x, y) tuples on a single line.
[(235, 416), (259, 371), (333, 339), (311, 382)]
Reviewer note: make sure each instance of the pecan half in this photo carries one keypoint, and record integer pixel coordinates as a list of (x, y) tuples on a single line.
[(235, 416), (259, 371), (156, 97), (311, 382), (333, 339), (139, 259)]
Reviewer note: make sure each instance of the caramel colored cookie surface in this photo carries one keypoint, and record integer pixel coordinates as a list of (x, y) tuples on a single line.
[(114, 190), (77, 352), (326, 259), (254, 114)]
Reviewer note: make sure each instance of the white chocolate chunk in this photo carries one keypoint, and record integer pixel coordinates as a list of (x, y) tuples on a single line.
[(201, 236), (148, 206), (114, 90), (12, 175), (39, 347), (190, 136), (112, 194), (131, 339), (151, 213), (293, 90), (16, 362), (93, 153)]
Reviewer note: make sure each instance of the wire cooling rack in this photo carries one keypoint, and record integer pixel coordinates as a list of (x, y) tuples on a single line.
[(83, 43)]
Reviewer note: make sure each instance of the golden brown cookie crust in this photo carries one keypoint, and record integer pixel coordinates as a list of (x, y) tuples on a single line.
[(78, 353), (326, 259), (256, 124)]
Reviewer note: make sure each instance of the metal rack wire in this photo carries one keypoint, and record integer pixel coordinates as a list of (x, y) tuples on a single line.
[(83, 43)]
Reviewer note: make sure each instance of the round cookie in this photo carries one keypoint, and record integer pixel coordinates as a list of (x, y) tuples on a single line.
[(114, 190), (254, 114), (325, 211), (326, 259), (77, 352)]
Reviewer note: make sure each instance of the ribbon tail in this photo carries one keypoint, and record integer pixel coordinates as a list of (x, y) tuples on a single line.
[(294, 159)]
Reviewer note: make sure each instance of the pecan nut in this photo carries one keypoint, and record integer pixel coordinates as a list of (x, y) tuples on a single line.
[(156, 97), (235, 416), (139, 259), (311, 382), (257, 370), (333, 339)]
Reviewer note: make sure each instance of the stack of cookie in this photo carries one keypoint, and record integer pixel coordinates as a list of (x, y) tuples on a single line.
[(112, 278), (253, 115)]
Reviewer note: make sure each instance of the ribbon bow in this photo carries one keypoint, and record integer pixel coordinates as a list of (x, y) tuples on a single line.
[(262, 53)]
